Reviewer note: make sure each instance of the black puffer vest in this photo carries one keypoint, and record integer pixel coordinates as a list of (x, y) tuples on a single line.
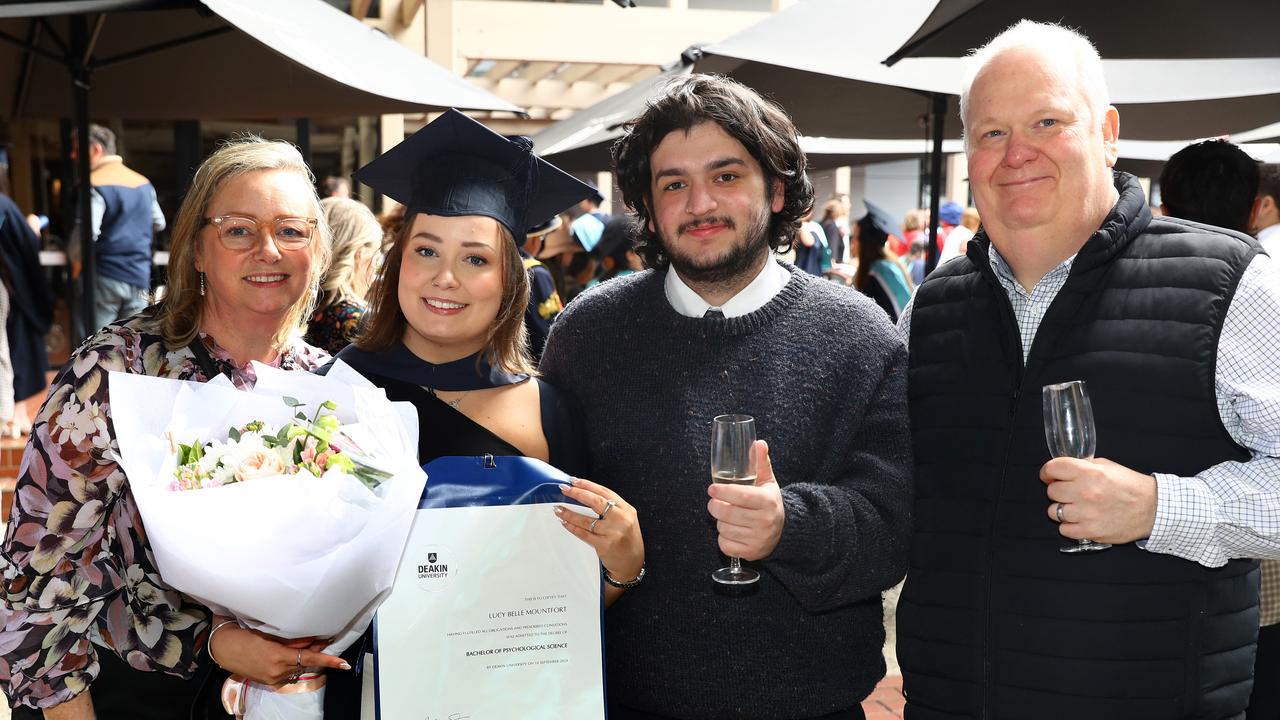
[(994, 622)]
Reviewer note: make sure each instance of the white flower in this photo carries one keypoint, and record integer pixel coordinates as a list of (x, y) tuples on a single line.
[(77, 422), (257, 464)]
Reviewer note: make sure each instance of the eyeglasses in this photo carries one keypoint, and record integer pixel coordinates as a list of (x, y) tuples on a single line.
[(238, 232)]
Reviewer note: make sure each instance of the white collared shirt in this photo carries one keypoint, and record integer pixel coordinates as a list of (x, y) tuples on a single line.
[(772, 278), (1269, 239)]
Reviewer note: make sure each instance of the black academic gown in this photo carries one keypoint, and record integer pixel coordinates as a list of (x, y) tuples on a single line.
[(30, 302), (442, 431)]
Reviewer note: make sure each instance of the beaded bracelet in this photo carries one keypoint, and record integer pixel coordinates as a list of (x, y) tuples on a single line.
[(621, 583), (209, 643)]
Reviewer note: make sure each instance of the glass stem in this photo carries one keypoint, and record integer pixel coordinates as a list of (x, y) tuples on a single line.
[(735, 564)]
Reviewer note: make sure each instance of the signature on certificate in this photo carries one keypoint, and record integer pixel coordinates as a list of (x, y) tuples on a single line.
[(452, 716)]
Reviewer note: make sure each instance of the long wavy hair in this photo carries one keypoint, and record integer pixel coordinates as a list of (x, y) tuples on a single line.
[(506, 346), (181, 310), (871, 250), (353, 226), (763, 128)]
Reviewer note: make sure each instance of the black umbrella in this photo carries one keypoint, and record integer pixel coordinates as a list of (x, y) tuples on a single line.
[(583, 141), (205, 59), (1184, 30), (839, 89), (843, 90)]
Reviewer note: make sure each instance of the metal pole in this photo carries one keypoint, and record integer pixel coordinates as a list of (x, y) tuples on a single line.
[(939, 118), (303, 126), (80, 104)]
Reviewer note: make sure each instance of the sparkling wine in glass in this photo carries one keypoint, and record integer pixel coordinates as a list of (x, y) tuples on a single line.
[(733, 462), (1070, 432)]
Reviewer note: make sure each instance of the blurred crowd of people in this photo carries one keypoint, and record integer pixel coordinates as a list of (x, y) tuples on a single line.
[(575, 250)]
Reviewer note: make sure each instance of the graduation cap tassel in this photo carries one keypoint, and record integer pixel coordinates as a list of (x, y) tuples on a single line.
[(528, 169)]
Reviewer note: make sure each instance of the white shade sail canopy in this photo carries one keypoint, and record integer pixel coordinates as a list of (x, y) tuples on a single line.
[(243, 59)]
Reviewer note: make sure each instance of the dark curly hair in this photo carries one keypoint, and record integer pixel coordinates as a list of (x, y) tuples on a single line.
[(760, 125)]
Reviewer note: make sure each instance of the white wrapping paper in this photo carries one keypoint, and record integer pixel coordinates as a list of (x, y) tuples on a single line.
[(291, 556)]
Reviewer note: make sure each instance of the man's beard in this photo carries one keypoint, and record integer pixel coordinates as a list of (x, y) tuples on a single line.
[(740, 259)]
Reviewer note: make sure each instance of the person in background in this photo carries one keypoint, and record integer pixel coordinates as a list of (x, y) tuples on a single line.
[(833, 213), (335, 187), (971, 220), (916, 260), (1265, 223), (9, 424), (618, 257), (811, 246), (580, 267), (716, 177), (949, 217), (1172, 325), (30, 315), (1212, 182), (589, 225), (958, 237), (125, 216), (392, 221), (880, 275), (544, 304), (913, 225), (357, 249), (1216, 183), (89, 626)]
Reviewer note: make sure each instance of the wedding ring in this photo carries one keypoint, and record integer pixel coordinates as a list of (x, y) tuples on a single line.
[(607, 507), (299, 661), (592, 527), (1061, 518)]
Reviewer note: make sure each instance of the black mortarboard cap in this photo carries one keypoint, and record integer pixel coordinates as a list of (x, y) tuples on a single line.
[(456, 166), (876, 226)]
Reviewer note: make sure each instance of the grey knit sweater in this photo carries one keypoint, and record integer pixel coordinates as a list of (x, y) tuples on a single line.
[(823, 372)]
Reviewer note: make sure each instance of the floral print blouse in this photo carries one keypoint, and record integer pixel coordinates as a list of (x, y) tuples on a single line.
[(79, 577), (333, 327)]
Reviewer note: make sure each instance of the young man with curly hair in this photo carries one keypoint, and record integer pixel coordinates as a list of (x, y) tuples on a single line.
[(716, 325)]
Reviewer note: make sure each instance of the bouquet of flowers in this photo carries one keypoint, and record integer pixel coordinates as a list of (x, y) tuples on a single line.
[(314, 445), (289, 516)]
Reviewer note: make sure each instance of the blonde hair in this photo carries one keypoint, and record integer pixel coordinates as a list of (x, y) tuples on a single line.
[(833, 209), (1054, 43), (352, 226), (179, 313)]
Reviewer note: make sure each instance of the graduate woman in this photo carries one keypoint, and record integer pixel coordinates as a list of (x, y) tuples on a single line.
[(447, 317)]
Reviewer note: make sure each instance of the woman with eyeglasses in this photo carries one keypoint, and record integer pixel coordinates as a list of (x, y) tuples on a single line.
[(88, 628)]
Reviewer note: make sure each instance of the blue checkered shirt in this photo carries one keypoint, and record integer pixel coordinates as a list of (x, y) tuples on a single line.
[(1231, 510)]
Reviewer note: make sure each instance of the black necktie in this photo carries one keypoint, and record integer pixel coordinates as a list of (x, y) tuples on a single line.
[(713, 313)]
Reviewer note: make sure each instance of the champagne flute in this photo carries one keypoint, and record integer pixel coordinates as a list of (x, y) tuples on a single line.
[(1070, 432), (733, 462)]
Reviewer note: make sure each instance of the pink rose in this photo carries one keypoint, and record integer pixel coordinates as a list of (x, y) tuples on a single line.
[(258, 464), (309, 450)]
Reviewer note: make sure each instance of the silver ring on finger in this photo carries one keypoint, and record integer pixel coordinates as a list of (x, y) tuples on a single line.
[(592, 527), (609, 505), (298, 662), (1061, 515)]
